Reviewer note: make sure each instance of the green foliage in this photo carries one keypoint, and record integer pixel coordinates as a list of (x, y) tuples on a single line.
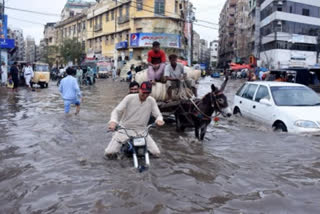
[(71, 50)]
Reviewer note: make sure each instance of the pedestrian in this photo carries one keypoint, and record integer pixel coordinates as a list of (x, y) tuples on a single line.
[(133, 87), (4, 74), (28, 75), (156, 60), (14, 76), (70, 91), (114, 73), (134, 112), (79, 75)]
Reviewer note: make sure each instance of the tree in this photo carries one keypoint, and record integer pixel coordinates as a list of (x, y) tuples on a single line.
[(71, 50)]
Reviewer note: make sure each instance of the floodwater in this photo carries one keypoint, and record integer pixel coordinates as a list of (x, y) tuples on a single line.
[(52, 163)]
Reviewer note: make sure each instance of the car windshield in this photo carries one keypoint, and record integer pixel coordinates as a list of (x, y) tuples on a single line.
[(41, 68), (294, 96)]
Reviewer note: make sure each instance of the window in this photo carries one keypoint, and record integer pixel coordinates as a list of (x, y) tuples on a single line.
[(139, 5), (106, 40), (139, 30), (159, 6), (262, 93), (107, 16), (176, 6), (241, 90), (84, 25), (305, 12), (91, 23), (120, 11), (127, 10), (112, 15), (249, 92)]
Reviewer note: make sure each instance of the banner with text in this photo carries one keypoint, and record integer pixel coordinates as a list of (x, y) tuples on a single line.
[(146, 40), (3, 26)]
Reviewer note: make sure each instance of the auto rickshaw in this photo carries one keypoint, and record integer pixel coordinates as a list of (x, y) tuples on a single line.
[(41, 74)]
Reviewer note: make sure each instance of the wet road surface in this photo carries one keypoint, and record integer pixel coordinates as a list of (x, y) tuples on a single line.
[(52, 163)]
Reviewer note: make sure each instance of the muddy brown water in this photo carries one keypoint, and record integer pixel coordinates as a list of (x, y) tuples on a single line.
[(51, 163)]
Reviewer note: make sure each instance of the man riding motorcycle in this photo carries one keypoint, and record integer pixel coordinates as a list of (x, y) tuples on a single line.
[(133, 112)]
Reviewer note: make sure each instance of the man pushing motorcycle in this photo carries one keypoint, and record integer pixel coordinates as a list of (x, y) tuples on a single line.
[(133, 112)]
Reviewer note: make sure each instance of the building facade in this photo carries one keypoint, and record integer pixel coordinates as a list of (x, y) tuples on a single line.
[(227, 33), (196, 47), (74, 27), (214, 45), (242, 32), (124, 30), (30, 50), (18, 53), (289, 33), (204, 52)]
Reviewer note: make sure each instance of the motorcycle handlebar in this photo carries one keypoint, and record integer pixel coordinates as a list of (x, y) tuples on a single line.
[(146, 131)]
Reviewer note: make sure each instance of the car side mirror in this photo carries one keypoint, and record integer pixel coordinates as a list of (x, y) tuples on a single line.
[(266, 102)]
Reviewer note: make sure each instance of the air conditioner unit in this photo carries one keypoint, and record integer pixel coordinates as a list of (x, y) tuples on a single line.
[(280, 3), (279, 22)]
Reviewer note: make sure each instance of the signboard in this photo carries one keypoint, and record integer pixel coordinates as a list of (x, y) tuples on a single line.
[(146, 40), (7, 43), (122, 45), (3, 26)]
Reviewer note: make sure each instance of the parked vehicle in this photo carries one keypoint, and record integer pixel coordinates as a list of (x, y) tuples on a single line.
[(288, 107), (306, 76)]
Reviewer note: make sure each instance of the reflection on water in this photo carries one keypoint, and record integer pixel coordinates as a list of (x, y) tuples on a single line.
[(52, 163)]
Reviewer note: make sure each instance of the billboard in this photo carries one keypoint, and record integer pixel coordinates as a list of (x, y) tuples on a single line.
[(7, 43), (146, 40), (3, 26)]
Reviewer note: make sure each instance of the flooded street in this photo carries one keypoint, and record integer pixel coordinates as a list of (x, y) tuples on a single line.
[(52, 163)]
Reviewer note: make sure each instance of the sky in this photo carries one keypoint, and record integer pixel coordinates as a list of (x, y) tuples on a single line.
[(33, 24)]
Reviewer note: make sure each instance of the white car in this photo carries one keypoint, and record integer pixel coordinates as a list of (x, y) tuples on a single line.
[(287, 107)]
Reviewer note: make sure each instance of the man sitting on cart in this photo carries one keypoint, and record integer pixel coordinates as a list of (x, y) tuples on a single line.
[(156, 61), (175, 76)]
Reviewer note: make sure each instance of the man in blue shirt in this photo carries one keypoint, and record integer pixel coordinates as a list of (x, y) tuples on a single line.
[(70, 91)]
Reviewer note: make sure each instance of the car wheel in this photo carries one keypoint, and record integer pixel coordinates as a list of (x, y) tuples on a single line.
[(279, 127), (237, 111)]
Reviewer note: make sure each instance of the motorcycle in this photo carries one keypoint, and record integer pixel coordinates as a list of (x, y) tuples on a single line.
[(136, 146)]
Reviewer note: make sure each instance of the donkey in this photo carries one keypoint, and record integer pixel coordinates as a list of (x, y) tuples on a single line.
[(197, 114)]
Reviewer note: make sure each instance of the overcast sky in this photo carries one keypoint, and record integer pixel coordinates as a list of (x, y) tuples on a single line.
[(33, 24)]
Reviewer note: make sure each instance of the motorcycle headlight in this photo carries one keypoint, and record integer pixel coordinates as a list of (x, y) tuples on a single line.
[(306, 124)]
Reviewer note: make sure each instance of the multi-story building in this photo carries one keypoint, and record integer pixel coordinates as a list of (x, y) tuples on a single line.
[(254, 28), (196, 47), (38, 53), (43, 55), (123, 30), (204, 52), (18, 53), (242, 32), (49, 46), (30, 49), (74, 27), (227, 33), (74, 7), (289, 32), (214, 53)]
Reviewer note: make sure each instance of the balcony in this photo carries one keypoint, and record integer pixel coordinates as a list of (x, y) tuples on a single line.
[(123, 19), (97, 28)]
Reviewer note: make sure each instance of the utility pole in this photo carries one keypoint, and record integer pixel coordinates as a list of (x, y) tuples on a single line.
[(115, 53), (2, 19), (189, 31), (318, 46)]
